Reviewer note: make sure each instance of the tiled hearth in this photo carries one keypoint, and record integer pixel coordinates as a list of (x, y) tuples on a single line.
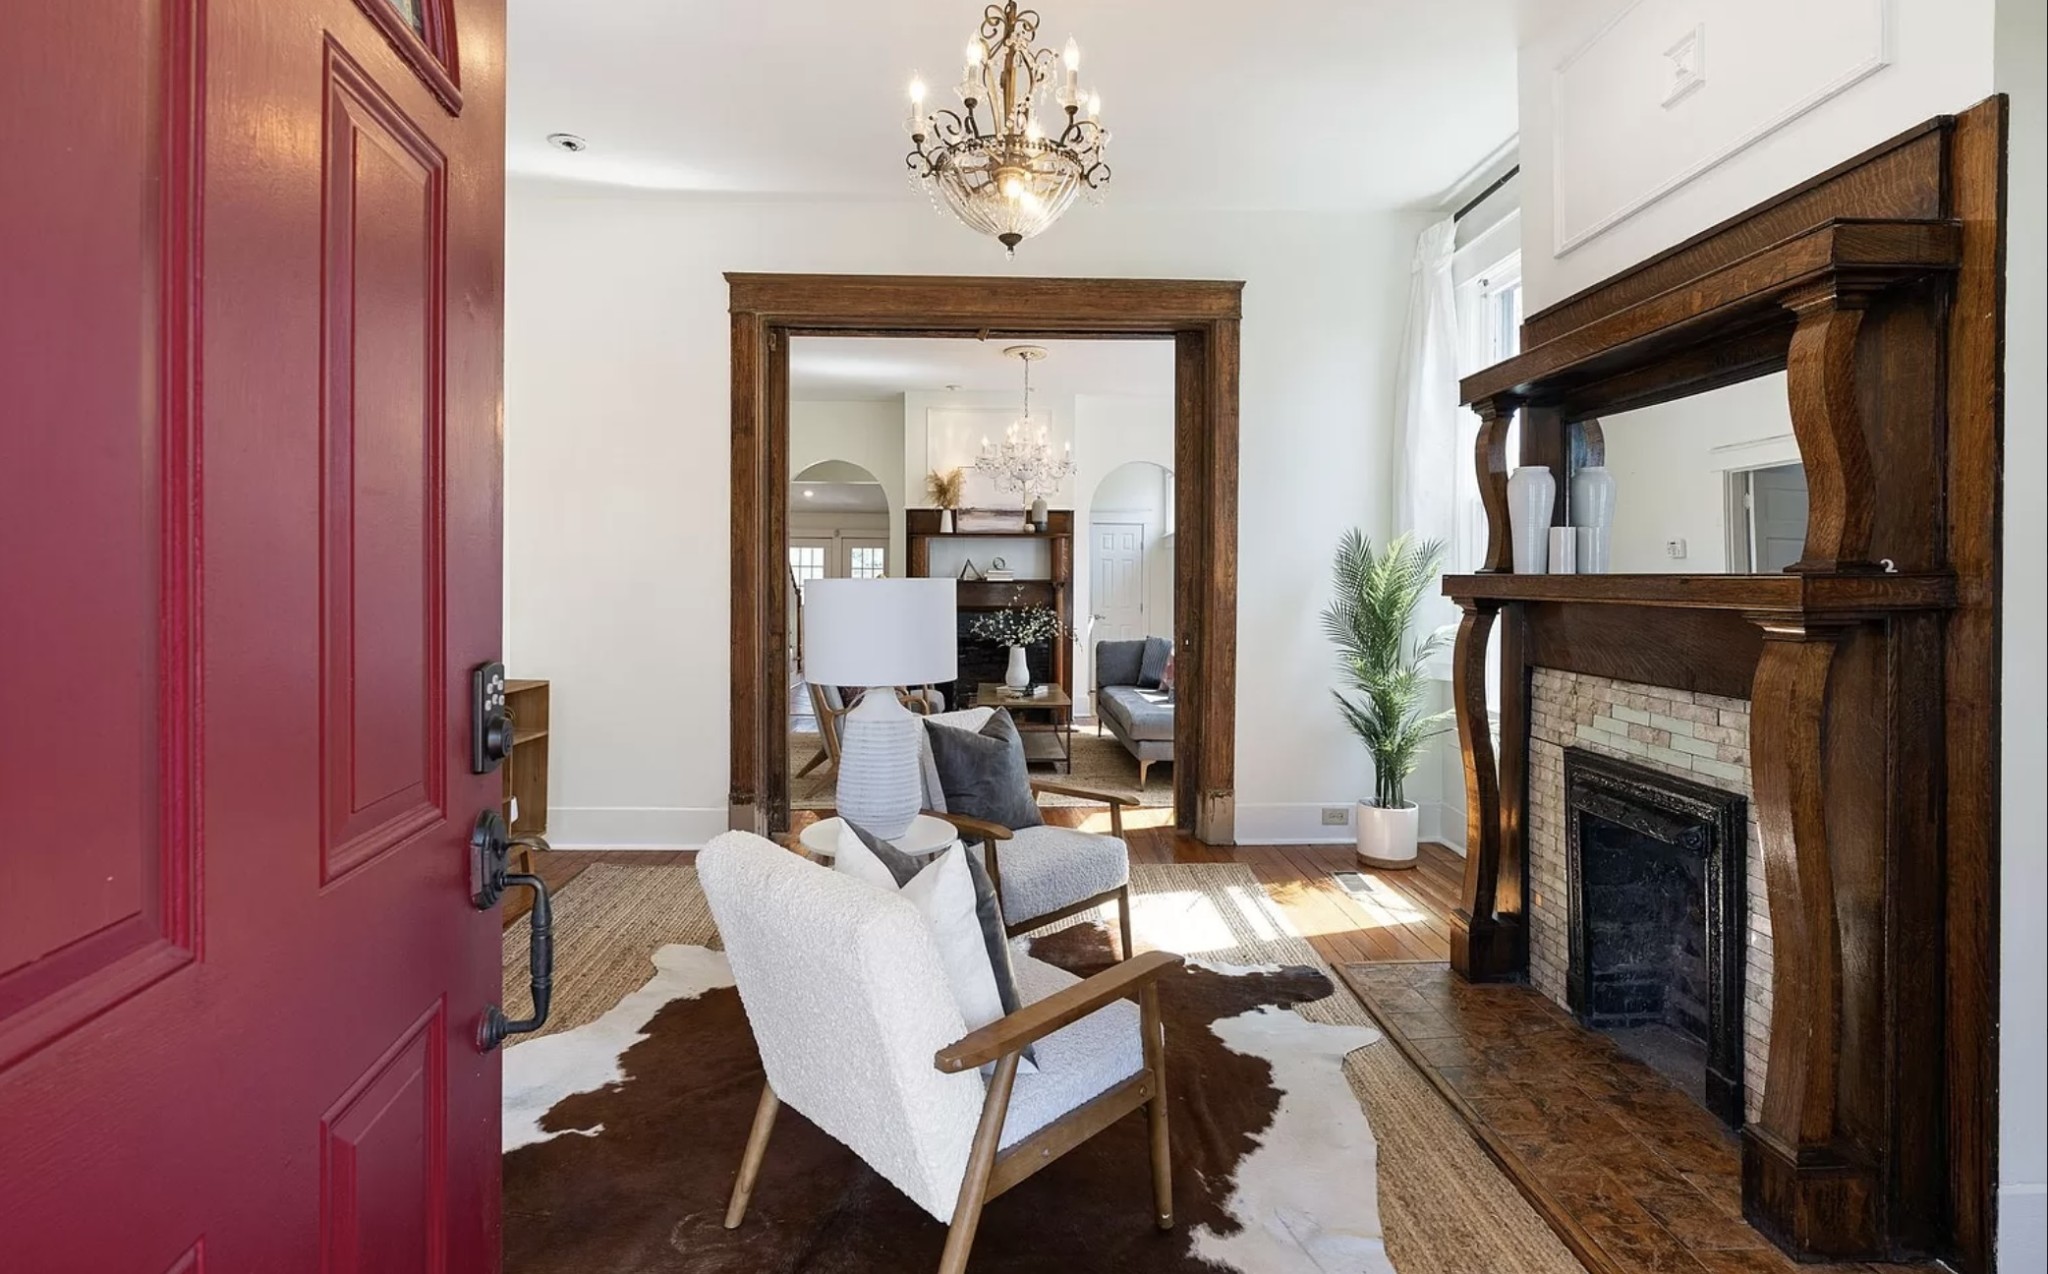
[(1700, 737), (1636, 1177)]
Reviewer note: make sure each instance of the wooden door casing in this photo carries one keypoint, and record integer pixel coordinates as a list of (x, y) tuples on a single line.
[(250, 294)]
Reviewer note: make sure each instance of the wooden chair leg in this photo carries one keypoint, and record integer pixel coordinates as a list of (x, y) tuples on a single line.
[(814, 762), (981, 1160), (750, 1162), (1123, 920), (1154, 1027)]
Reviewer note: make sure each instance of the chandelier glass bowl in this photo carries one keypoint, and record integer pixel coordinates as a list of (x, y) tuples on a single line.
[(1025, 141)]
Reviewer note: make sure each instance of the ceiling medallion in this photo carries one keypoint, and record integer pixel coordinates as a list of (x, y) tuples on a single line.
[(1010, 177), (1024, 461)]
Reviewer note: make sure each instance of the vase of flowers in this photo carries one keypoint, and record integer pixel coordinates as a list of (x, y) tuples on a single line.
[(945, 490), (1367, 620), (1018, 627)]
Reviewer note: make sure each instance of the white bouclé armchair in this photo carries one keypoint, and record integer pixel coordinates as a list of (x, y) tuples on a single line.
[(858, 1031)]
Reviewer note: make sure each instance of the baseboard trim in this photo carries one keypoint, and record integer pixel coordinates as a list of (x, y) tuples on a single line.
[(611, 827), (1292, 825), (2023, 1227)]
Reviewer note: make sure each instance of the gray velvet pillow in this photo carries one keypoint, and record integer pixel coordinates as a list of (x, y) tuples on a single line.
[(1152, 667), (1117, 662), (983, 774), (988, 911)]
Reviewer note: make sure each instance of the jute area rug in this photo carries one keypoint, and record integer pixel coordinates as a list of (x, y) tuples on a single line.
[(1099, 763), (625, 1119)]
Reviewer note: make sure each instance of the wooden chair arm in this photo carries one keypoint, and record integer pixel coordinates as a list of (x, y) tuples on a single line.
[(1009, 1034), (1116, 803), (1085, 793), (974, 828)]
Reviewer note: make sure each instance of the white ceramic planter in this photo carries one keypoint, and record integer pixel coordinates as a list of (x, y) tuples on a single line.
[(1386, 837), (1018, 675), (1532, 494)]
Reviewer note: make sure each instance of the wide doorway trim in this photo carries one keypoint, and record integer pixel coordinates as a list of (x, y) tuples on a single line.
[(1200, 317)]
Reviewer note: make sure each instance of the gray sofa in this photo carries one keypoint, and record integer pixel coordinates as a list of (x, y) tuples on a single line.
[(1130, 701)]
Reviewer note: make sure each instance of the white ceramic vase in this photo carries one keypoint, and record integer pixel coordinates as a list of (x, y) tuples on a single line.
[(1387, 837), (1018, 675), (1593, 497), (1532, 494), (945, 521)]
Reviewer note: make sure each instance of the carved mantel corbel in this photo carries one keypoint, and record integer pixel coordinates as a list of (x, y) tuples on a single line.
[(1490, 459), (1820, 372), (1488, 929), (1809, 1179)]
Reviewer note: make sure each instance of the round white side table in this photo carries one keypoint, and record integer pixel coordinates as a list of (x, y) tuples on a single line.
[(927, 835)]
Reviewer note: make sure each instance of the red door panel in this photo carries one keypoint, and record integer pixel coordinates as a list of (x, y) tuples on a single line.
[(250, 334), (92, 910), (381, 621), (384, 1162)]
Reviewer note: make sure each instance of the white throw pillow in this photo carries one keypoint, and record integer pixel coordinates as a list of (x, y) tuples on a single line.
[(943, 894)]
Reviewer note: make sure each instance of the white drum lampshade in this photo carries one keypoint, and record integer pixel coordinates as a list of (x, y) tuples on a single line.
[(879, 634)]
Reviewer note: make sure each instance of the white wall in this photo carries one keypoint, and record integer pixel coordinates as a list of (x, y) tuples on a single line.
[(869, 434), (1671, 463), (1609, 133), (2023, 859), (1596, 138), (617, 472)]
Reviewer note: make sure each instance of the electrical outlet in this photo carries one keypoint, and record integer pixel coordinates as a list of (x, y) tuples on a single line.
[(1336, 816), (1674, 548)]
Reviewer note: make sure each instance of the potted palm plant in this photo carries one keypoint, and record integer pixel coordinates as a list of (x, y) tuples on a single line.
[(1367, 619)]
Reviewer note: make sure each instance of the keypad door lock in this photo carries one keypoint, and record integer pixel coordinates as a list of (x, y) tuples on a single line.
[(490, 722)]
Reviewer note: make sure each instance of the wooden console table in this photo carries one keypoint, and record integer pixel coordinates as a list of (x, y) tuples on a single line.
[(1869, 665), (1046, 738)]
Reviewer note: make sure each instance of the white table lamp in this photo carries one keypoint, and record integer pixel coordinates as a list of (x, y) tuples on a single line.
[(880, 634)]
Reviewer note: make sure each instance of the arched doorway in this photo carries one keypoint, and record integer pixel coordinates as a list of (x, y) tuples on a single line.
[(839, 528)]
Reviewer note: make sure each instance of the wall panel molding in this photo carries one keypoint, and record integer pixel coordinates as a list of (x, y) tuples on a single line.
[(1738, 52)]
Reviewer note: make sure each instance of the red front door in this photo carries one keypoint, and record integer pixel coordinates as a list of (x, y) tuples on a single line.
[(250, 268)]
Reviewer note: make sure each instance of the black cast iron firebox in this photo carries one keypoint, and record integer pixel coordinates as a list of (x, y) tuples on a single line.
[(1656, 870)]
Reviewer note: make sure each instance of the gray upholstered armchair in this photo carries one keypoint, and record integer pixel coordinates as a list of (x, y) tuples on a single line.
[(1131, 700)]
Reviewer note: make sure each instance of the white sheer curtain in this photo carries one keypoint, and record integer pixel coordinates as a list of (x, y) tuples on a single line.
[(1434, 484)]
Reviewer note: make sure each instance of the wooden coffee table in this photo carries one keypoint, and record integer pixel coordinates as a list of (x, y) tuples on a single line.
[(1045, 720)]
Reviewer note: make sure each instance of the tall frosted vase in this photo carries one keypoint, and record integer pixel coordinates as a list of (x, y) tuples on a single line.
[(1532, 494), (1592, 508), (1018, 675)]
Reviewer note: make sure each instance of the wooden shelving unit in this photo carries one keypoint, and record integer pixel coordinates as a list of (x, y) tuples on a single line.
[(921, 529), (526, 772)]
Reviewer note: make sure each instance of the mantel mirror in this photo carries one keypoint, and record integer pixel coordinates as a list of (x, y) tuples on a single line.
[(1711, 484)]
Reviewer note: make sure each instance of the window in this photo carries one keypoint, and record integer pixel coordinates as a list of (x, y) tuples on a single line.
[(806, 562), (867, 562), (1490, 328)]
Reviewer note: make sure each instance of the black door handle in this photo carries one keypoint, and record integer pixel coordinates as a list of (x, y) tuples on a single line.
[(489, 878)]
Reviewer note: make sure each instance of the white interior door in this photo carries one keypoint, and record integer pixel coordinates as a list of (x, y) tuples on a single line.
[(1116, 580), (1777, 517)]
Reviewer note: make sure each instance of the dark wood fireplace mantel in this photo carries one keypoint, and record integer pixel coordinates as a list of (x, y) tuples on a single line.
[(1870, 664)]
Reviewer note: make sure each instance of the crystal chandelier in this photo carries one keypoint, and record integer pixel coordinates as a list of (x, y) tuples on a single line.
[(1024, 462), (1012, 178)]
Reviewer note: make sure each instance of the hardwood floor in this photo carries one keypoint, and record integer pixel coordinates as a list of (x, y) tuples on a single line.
[(1404, 915)]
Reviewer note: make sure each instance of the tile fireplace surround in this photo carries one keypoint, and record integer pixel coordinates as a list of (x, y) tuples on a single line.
[(1701, 737)]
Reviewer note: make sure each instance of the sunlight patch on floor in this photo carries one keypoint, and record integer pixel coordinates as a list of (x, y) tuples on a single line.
[(1097, 821), (1183, 921)]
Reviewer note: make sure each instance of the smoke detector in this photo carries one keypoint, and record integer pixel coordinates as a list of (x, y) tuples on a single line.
[(568, 141)]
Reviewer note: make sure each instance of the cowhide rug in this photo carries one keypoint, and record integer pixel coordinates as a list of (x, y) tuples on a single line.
[(623, 1136)]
